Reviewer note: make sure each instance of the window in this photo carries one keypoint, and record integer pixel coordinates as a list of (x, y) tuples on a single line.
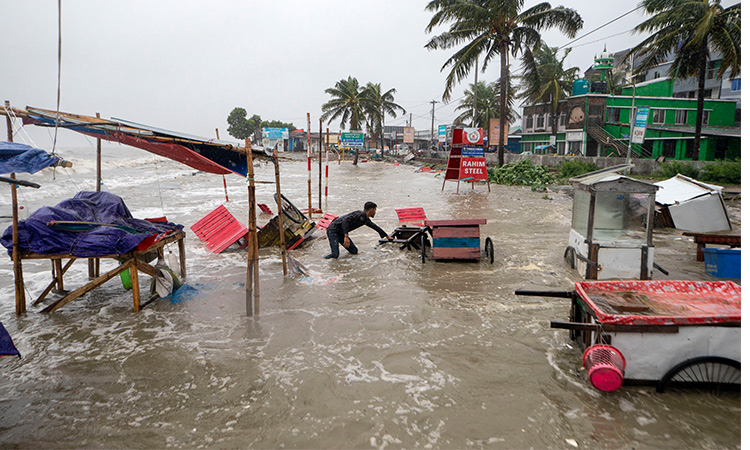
[(540, 121), (659, 115), (736, 85), (680, 117), (705, 117), (562, 120), (529, 122), (657, 75)]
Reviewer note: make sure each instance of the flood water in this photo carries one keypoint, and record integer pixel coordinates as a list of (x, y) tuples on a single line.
[(377, 351)]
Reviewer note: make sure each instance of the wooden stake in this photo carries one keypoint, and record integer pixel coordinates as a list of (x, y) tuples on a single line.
[(252, 286), (282, 234), (94, 262), (17, 267), (328, 133), (309, 169), (320, 169)]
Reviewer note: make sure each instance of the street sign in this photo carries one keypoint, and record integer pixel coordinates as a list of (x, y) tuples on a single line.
[(639, 126), (353, 139), (473, 136)]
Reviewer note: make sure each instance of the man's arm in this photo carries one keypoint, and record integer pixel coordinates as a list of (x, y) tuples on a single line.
[(372, 225)]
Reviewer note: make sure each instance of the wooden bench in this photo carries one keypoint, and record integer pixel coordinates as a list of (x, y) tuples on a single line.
[(701, 239)]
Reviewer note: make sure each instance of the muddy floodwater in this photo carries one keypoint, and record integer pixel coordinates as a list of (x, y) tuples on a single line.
[(375, 350)]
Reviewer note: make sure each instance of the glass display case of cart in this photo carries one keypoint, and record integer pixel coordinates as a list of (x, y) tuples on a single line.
[(612, 225)]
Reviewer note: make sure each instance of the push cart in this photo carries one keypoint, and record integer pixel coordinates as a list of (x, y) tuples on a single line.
[(669, 333), (452, 240)]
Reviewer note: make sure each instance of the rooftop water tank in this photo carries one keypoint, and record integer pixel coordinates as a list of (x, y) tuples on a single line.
[(580, 87)]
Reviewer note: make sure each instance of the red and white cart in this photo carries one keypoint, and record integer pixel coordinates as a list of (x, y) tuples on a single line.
[(668, 333)]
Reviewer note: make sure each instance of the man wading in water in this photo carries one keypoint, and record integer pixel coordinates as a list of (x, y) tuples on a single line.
[(338, 230)]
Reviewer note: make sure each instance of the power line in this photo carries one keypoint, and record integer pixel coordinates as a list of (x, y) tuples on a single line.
[(601, 26)]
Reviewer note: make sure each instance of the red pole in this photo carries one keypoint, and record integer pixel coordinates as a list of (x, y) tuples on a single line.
[(327, 140), (309, 170)]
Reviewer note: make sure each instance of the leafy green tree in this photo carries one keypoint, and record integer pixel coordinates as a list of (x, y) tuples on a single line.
[(690, 29), (545, 80), (277, 124), (380, 103), (493, 28), (239, 125)]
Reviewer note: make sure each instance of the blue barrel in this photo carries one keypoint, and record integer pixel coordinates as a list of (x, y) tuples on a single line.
[(580, 87)]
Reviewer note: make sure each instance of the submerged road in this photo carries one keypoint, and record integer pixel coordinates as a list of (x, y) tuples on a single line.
[(375, 350)]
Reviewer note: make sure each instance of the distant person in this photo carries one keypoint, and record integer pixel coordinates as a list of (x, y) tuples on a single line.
[(339, 228)]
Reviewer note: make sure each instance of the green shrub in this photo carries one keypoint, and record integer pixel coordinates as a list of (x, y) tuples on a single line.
[(672, 168), (569, 169), (725, 172), (523, 173)]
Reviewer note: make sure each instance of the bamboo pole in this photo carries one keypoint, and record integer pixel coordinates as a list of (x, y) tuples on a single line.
[(282, 237), (17, 267), (94, 262), (327, 144), (309, 169), (252, 286), (320, 168)]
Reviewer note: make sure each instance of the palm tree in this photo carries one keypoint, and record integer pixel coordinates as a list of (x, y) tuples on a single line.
[(493, 28), (545, 80), (350, 103), (486, 105), (690, 29), (380, 103)]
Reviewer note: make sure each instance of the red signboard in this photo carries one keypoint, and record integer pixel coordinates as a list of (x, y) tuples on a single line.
[(474, 168), (472, 136)]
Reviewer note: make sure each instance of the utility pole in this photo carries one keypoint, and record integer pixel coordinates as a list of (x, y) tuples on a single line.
[(432, 128)]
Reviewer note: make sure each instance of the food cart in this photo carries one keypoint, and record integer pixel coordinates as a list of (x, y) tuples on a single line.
[(612, 226), (452, 240), (669, 333)]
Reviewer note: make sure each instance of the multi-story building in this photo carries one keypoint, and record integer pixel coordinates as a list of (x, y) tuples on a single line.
[(598, 124)]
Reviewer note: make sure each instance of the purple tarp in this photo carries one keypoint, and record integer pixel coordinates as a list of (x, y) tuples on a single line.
[(22, 158), (121, 234)]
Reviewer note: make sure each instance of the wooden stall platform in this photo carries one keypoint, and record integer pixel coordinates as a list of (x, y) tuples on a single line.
[(133, 261)]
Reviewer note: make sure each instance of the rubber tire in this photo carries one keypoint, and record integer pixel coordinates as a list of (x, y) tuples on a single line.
[(691, 369), (570, 257), (489, 249)]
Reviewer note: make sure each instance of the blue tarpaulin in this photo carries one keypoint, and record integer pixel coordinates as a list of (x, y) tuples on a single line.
[(90, 224), (22, 158), (7, 347)]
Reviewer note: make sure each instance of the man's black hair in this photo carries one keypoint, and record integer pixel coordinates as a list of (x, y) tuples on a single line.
[(370, 205)]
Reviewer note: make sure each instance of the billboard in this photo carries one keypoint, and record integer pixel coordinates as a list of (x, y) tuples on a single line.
[(473, 168), (473, 136), (408, 135), (494, 131), (442, 133), (275, 133)]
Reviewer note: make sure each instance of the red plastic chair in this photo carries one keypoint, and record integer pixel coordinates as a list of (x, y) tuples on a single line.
[(219, 229), (415, 216), (325, 221)]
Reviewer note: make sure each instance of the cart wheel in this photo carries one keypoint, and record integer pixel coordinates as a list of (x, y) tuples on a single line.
[(423, 239), (714, 373), (489, 249), (570, 257)]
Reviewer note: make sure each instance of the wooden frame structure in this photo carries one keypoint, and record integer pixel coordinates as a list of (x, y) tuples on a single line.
[(133, 261)]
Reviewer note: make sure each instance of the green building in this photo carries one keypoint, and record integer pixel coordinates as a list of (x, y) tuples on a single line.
[(598, 124)]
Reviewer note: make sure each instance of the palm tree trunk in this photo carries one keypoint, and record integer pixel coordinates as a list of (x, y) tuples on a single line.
[(701, 97), (503, 109)]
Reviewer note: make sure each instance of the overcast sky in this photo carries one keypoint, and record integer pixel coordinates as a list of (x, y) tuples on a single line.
[(184, 65)]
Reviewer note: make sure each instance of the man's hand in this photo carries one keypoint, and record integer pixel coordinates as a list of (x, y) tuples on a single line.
[(390, 238), (346, 241)]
